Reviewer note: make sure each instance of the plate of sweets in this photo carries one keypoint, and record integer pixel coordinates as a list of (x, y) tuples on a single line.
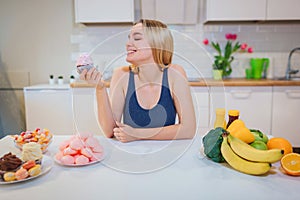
[(79, 150), (42, 137), (30, 165)]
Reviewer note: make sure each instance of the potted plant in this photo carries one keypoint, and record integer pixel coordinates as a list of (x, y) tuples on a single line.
[(51, 80), (60, 80), (72, 79), (223, 59)]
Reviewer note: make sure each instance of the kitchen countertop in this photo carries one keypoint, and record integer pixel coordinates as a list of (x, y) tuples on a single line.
[(166, 170), (224, 82)]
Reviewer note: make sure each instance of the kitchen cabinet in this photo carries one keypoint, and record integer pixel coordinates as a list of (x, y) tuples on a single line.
[(232, 10), (283, 10), (85, 112), (49, 107), (254, 10), (201, 100), (254, 104), (102, 11), (61, 109), (285, 116), (171, 11)]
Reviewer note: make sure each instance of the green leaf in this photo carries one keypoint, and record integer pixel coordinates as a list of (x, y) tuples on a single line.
[(217, 47)]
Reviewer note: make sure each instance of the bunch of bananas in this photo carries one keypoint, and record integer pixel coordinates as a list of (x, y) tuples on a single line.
[(245, 158)]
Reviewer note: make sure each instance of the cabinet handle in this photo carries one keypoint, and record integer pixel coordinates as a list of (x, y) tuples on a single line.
[(241, 94), (295, 94)]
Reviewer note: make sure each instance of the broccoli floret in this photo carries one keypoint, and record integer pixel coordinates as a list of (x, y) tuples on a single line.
[(212, 144)]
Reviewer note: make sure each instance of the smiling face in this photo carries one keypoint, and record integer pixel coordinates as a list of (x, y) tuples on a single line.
[(138, 49)]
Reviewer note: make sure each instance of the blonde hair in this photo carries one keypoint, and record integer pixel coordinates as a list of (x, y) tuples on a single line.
[(160, 40)]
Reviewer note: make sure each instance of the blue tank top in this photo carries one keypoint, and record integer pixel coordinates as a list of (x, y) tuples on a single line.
[(162, 114)]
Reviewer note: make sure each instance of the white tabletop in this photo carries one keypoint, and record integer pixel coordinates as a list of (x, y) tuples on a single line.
[(149, 170)]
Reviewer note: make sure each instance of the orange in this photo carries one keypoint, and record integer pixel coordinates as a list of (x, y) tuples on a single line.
[(290, 163), (280, 143)]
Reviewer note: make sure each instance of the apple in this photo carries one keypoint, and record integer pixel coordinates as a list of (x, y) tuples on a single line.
[(259, 136), (259, 145)]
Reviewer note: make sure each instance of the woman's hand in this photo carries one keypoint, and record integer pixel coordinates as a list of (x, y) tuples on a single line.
[(92, 77), (124, 133)]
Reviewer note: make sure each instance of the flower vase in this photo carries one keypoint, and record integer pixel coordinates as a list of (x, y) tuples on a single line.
[(217, 74)]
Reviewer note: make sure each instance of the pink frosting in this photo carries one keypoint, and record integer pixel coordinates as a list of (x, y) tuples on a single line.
[(84, 59)]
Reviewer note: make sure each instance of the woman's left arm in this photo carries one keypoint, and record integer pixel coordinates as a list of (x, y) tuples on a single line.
[(186, 126)]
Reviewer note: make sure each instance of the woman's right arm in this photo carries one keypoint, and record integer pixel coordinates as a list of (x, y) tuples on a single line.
[(106, 115)]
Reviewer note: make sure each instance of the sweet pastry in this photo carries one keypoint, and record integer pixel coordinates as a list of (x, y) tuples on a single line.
[(9, 176), (21, 174), (29, 164), (31, 151), (34, 171), (43, 137), (10, 162), (84, 62)]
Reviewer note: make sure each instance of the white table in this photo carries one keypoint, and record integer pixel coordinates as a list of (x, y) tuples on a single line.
[(161, 176)]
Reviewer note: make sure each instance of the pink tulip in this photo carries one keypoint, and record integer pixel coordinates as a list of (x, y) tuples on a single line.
[(230, 36), (233, 36), (205, 41), (244, 46), (250, 50)]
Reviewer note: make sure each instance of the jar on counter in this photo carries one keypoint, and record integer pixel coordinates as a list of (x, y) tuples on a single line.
[(220, 118), (232, 115)]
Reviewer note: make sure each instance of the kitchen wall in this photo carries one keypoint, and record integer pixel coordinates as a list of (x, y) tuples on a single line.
[(41, 38)]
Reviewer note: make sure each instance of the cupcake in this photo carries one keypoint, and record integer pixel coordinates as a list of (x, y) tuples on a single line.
[(84, 62)]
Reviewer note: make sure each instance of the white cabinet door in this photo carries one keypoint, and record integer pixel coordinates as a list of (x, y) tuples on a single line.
[(171, 11), (84, 109), (235, 10), (97, 11), (49, 108), (286, 109), (254, 104), (283, 10), (201, 104)]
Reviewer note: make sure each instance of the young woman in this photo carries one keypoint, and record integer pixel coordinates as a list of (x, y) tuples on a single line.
[(147, 95)]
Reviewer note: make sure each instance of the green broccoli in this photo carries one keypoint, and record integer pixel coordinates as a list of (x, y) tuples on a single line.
[(212, 144)]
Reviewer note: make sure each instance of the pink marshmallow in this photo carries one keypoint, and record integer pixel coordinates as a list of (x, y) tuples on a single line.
[(87, 152), (82, 160), (59, 155), (97, 149), (64, 145), (85, 135), (76, 144), (91, 142), (96, 156), (69, 151), (67, 160)]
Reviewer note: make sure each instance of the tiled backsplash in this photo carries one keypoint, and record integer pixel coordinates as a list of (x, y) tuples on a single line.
[(107, 45)]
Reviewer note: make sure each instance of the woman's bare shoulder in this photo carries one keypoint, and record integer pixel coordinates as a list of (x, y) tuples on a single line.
[(120, 73), (177, 70)]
